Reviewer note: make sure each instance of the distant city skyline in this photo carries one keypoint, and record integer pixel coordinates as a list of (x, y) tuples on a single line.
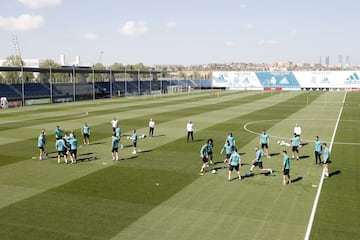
[(183, 32)]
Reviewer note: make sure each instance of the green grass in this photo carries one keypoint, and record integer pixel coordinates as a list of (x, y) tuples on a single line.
[(158, 193)]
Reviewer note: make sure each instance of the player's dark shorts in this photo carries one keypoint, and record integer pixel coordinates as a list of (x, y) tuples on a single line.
[(286, 171), (295, 149), (42, 148), (210, 153), (114, 150), (264, 145), (134, 144), (327, 161), (231, 167), (228, 156), (258, 164), (62, 153), (205, 159), (86, 135), (73, 152)]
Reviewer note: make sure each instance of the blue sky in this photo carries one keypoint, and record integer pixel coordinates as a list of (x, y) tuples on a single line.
[(182, 32)]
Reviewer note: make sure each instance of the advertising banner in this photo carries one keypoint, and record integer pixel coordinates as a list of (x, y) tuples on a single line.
[(30, 102)]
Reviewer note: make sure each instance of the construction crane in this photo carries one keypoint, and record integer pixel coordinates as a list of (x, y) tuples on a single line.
[(17, 49), (18, 55), (100, 55)]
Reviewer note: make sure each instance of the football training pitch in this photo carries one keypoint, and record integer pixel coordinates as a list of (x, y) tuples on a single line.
[(158, 193)]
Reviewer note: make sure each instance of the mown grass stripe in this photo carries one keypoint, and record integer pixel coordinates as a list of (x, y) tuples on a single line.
[(337, 215), (90, 183)]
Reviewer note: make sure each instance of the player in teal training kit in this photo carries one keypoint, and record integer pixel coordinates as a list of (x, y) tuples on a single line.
[(318, 149), (73, 148), (115, 147), (210, 150), (205, 158), (134, 141), (265, 142), (235, 163), (61, 149), (258, 162), (41, 144), (295, 146), (58, 133), (86, 133), (286, 168), (231, 140), (118, 134), (228, 150), (326, 160)]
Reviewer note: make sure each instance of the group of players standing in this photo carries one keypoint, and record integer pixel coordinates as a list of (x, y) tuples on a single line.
[(116, 137), (233, 158), (66, 145)]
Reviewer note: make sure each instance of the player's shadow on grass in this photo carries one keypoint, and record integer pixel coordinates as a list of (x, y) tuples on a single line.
[(236, 178), (274, 154), (296, 179), (303, 157), (242, 154), (217, 168), (86, 154), (334, 173), (304, 144), (144, 151), (128, 158), (86, 157), (160, 135), (97, 143)]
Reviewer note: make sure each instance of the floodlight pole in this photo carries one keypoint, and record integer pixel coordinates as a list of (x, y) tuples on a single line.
[(51, 86), (150, 82), (22, 83), (125, 82), (110, 84), (139, 91), (93, 81), (73, 80)]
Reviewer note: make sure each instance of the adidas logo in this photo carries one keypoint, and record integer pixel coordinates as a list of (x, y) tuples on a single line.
[(353, 79), (284, 81), (220, 78), (325, 80), (246, 80)]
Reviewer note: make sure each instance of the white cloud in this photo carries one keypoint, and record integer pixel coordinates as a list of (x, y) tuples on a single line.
[(35, 4), (249, 26), (133, 28), (269, 42), (24, 22), (230, 44), (293, 32), (171, 24), (89, 36)]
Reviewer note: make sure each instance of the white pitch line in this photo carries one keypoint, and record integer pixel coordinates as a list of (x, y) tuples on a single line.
[(316, 201), (287, 138)]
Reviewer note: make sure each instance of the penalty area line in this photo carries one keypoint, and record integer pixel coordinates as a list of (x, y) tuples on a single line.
[(317, 197)]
